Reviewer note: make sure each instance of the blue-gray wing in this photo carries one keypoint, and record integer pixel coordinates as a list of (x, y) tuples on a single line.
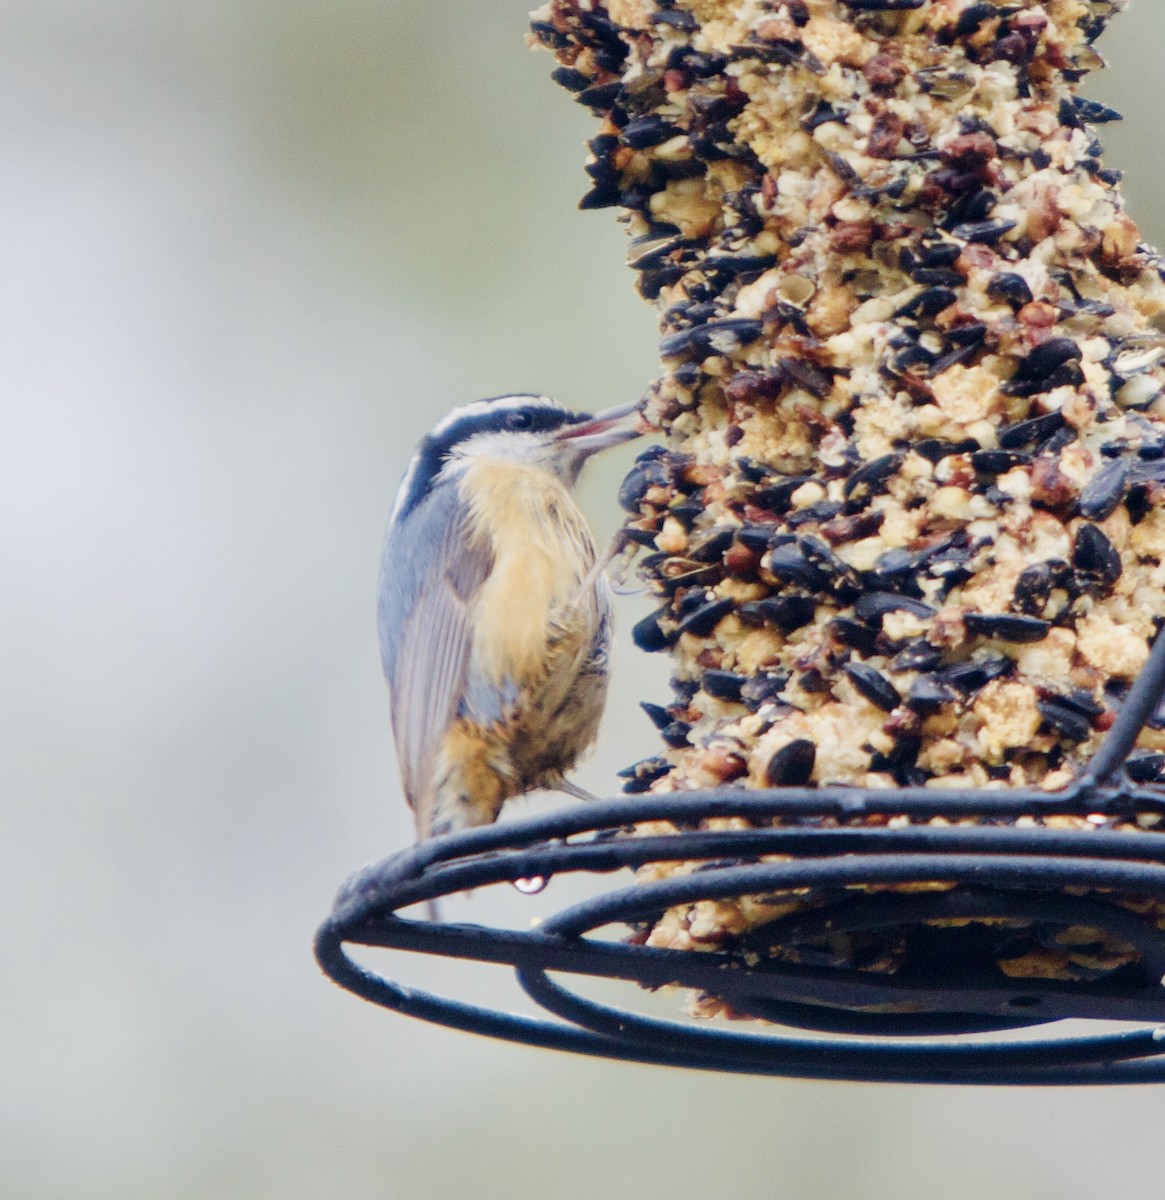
[(427, 588)]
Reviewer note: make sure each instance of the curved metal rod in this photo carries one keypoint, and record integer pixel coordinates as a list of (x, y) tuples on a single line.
[(812, 1058), (366, 921), (804, 1053), (801, 803), (482, 862), (642, 901), (1001, 873)]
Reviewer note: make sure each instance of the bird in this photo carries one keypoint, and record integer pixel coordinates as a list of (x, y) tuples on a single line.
[(494, 613)]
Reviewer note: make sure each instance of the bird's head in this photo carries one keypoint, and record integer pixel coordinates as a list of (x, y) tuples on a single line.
[(524, 429)]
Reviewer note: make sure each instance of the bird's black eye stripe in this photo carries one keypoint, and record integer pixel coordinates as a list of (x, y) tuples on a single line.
[(529, 418)]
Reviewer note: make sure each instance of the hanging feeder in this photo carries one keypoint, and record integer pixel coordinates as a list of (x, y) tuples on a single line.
[(905, 538)]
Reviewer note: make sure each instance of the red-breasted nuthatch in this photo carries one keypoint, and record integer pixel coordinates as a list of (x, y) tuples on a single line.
[(494, 613)]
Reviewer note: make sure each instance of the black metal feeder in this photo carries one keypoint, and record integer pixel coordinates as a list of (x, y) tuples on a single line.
[(921, 1022)]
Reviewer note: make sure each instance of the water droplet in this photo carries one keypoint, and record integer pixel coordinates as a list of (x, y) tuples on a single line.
[(531, 886)]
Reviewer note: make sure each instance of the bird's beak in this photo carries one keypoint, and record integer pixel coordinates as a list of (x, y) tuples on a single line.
[(608, 428)]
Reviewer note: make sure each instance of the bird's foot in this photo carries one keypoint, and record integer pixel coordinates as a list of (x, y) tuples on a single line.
[(572, 789)]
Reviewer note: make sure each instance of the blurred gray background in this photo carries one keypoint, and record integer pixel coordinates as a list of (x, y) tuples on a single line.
[(249, 251)]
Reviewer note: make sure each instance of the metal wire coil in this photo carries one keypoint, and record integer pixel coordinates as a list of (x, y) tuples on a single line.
[(909, 1026)]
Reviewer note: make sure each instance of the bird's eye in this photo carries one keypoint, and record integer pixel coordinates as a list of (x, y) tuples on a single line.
[(519, 420)]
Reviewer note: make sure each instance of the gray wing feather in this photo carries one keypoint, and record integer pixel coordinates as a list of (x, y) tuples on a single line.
[(427, 587)]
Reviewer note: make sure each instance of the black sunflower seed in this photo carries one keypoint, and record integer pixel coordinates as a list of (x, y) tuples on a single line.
[(1152, 472), (1010, 289), (710, 546), (1146, 766), (949, 358), (971, 206), (998, 462), (689, 599), (761, 689), (704, 619), (1105, 490), (778, 496), (648, 635), (872, 684), (968, 335), (650, 469), (656, 714), (1007, 627), (853, 634), (675, 734), (686, 512), (934, 254), (822, 114), (870, 477), (972, 17), (969, 677), (1035, 584), (1037, 368), (893, 572), (808, 376), (737, 264), (713, 337), (1078, 701), (1151, 451), (677, 18), (640, 776), (601, 96), (790, 565), (545, 32), (1094, 553), (572, 80), (954, 549), (917, 655), (1031, 431), (873, 606), (853, 527), (1064, 436), (703, 65), (792, 764), (1064, 720), (600, 196), (640, 537), (755, 537), (928, 303), (928, 694), (942, 277), (785, 612), (934, 450), (815, 513), (983, 231), (820, 555), (724, 685), (648, 253), (1093, 112), (914, 356), (689, 578)]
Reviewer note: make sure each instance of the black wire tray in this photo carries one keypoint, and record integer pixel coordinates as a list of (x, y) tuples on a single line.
[(922, 1023)]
